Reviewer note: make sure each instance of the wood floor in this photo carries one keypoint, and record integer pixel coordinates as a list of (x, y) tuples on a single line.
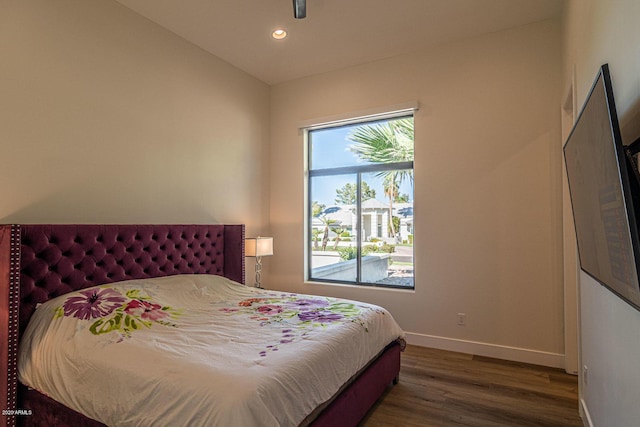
[(442, 388)]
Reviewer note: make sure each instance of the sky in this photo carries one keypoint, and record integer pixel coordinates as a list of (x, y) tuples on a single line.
[(329, 149)]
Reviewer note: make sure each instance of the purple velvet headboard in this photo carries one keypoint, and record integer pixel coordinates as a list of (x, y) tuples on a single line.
[(40, 262)]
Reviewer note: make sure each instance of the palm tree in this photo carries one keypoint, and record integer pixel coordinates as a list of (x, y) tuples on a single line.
[(315, 236), (386, 142), (391, 190), (338, 232), (328, 223)]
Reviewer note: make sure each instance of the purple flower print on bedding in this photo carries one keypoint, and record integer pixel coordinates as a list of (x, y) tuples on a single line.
[(302, 316), (145, 310), (320, 316), (115, 312), (93, 303)]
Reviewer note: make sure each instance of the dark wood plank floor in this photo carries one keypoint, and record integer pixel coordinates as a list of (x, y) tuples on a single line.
[(443, 388)]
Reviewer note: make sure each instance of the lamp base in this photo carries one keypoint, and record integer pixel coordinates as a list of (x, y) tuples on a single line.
[(258, 272)]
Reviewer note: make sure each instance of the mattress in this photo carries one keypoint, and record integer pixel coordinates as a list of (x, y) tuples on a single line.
[(198, 350)]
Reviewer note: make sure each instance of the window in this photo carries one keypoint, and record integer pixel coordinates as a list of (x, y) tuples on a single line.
[(360, 195)]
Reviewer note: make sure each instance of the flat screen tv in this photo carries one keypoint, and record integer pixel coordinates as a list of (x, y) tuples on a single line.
[(603, 184)]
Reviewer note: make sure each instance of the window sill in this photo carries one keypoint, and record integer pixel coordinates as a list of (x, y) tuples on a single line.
[(361, 287)]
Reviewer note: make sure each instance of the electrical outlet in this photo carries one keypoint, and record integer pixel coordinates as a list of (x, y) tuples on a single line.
[(462, 319)]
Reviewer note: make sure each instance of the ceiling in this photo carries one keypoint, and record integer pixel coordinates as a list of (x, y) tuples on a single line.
[(336, 33)]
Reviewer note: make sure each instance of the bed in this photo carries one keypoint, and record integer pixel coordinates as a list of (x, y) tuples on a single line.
[(51, 265)]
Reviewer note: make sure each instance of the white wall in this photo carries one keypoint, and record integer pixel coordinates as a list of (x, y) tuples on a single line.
[(487, 194), (106, 117), (597, 32)]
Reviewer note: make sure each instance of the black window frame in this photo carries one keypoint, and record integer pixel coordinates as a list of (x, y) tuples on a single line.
[(357, 170)]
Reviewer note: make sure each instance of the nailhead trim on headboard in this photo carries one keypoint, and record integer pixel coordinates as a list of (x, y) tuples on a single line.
[(14, 301)]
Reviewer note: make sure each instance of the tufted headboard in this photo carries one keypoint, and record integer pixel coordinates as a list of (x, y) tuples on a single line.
[(40, 262)]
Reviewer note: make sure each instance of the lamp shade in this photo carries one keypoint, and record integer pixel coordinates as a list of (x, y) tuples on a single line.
[(258, 246)]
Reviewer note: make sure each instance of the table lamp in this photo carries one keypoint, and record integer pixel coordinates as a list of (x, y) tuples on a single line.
[(258, 247)]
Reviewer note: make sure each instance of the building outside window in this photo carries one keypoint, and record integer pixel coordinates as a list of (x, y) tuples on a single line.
[(360, 195)]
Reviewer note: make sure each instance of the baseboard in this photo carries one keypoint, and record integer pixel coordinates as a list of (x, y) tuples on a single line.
[(584, 414), (554, 360)]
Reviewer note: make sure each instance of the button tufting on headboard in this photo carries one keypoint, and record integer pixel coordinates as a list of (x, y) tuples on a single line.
[(59, 258)]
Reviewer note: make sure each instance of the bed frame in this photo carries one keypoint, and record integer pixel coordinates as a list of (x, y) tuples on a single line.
[(40, 262)]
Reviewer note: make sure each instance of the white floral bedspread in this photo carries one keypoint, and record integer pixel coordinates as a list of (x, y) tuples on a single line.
[(198, 350)]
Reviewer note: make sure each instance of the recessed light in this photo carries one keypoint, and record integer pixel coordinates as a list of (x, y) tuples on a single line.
[(279, 33)]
